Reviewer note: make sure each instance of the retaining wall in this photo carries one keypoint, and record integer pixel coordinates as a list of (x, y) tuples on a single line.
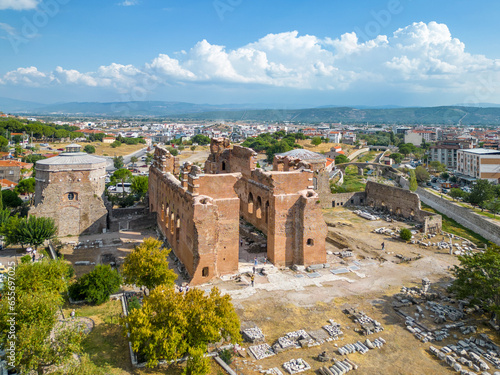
[(462, 215)]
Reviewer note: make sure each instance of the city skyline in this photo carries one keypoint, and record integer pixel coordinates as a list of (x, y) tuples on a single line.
[(392, 52)]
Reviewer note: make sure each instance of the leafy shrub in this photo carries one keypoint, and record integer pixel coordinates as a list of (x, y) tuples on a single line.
[(26, 258), (134, 303), (405, 234), (96, 286), (226, 355)]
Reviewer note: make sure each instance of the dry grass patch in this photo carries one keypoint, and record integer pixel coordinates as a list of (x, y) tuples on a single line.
[(105, 149)]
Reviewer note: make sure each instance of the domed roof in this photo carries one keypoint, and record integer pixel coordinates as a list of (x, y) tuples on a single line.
[(303, 154), (72, 158)]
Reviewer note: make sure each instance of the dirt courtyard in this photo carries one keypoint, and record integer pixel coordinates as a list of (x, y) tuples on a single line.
[(286, 300)]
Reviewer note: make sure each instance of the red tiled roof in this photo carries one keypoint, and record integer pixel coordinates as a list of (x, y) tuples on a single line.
[(7, 183), (15, 163)]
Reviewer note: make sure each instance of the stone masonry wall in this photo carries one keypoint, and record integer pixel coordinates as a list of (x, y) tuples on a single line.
[(401, 202), (86, 213), (462, 215), (199, 214)]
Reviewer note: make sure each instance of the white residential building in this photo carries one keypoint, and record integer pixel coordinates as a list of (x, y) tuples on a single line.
[(479, 163)]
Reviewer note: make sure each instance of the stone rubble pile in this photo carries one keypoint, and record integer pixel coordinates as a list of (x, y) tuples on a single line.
[(261, 351), (253, 335), (273, 371), (339, 368), (464, 248), (473, 353), (333, 329), (361, 347), (386, 231), (444, 312), (295, 340), (366, 215), (368, 325), (295, 366)]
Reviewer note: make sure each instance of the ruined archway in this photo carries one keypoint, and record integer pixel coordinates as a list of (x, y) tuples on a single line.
[(258, 208), (250, 203)]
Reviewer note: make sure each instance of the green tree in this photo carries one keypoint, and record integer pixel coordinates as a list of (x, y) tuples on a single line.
[(173, 151), (453, 179), (445, 176), (341, 159), (10, 231), (406, 149), (478, 279), (397, 157), (194, 320), (421, 174), (481, 192), (116, 144), (118, 162), (316, 141), (26, 186), (3, 141), (140, 185), (493, 205), (147, 266), (40, 341), (201, 139), (456, 193), (33, 158), (193, 148), (11, 199), (36, 230), (122, 175), (98, 285), (437, 166), (405, 234), (149, 158), (89, 149), (413, 180), (134, 160)]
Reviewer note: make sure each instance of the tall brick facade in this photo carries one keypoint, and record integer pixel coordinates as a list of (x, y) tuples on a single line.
[(199, 214), (70, 189)]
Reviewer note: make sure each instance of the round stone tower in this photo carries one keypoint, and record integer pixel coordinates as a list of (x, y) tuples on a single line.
[(70, 189)]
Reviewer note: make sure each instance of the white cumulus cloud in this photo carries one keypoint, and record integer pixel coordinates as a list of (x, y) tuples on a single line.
[(18, 4), (419, 57), (128, 3)]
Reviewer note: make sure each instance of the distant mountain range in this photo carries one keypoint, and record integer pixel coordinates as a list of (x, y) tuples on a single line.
[(487, 114)]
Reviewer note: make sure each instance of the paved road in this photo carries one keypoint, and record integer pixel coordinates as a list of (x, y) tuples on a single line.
[(126, 159)]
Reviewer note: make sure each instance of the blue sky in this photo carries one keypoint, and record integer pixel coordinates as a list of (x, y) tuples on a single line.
[(317, 52)]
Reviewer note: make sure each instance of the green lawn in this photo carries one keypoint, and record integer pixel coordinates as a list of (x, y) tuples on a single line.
[(368, 157), (451, 226), (106, 346), (352, 182)]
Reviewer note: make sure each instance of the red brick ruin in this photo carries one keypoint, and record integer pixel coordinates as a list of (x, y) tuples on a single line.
[(199, 212)]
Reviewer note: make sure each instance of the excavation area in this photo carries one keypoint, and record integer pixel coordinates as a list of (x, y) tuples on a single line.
[(386, 311)]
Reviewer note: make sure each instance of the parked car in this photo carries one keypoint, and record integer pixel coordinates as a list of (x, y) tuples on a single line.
[(429, 184), (445, 191), (435, 188)]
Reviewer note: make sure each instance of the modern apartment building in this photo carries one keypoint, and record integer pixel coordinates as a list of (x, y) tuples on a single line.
[(479, 163), (446, 152)]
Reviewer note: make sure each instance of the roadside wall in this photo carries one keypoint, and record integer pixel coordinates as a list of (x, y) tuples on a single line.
[(462, 215), (355, 154)]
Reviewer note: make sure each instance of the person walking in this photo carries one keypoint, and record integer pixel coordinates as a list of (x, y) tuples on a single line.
[(252, 279), (383, 246)]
